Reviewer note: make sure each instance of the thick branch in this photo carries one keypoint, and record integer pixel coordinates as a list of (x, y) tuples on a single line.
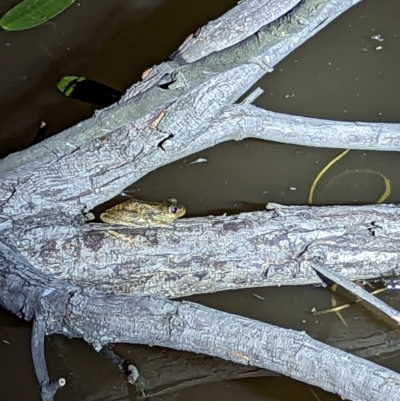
[(234, 26), (100, 319), (200, 255), (125, 138), (240, 122)]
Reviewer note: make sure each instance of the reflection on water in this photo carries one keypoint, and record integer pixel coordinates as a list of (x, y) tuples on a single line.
[(144, 7), (331, 76)]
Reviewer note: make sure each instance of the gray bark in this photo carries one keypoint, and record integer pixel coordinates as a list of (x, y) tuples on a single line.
[(82, 281), (121, 144), (208, 254), (182, 370), (101, 319)]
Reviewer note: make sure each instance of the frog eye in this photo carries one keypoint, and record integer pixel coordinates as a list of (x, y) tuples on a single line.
[(173, 209)]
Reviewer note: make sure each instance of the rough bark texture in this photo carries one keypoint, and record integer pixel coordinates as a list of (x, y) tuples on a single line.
[(101, 319), (120, 145), (209, 254), (80, 280)]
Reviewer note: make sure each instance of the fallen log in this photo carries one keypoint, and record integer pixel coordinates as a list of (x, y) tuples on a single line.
[(186, 326), (76, 279), (209, 254)]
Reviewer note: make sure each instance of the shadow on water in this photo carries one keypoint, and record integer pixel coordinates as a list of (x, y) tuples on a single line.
[(338, 74)]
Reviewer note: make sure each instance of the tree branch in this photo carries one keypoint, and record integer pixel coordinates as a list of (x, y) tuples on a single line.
[(208, 254), (78, 276), (100, 319), (182, 102)]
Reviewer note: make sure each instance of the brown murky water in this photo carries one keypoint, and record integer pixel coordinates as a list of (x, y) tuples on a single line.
[(338, 74)]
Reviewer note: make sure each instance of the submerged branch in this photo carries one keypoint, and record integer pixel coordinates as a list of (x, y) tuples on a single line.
[(358, 291), (47, 389)]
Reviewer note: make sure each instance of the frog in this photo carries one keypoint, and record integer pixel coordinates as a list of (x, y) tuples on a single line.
[(139, 213)]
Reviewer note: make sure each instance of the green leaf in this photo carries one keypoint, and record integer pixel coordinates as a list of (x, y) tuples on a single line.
[(30, 13), (67, 84)]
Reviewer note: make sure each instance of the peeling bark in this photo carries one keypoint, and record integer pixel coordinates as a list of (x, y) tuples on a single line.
[(80, 280)]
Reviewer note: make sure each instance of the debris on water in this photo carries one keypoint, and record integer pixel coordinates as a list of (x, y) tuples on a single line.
[(258, 296), (200, 160), (289, 96), (6, 342), (293, 188), (379, 48), (124, 193), (377, 37)]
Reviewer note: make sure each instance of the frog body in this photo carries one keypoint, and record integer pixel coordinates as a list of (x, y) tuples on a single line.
[(138, 213)]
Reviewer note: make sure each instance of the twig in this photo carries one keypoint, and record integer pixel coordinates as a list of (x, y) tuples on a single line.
[(358, 291), (132, 372), (47, 389), (253, 96), (339, 308), (314, 393), (334, 303)]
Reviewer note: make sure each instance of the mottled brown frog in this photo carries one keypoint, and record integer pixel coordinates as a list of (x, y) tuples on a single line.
[(138, 213)]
